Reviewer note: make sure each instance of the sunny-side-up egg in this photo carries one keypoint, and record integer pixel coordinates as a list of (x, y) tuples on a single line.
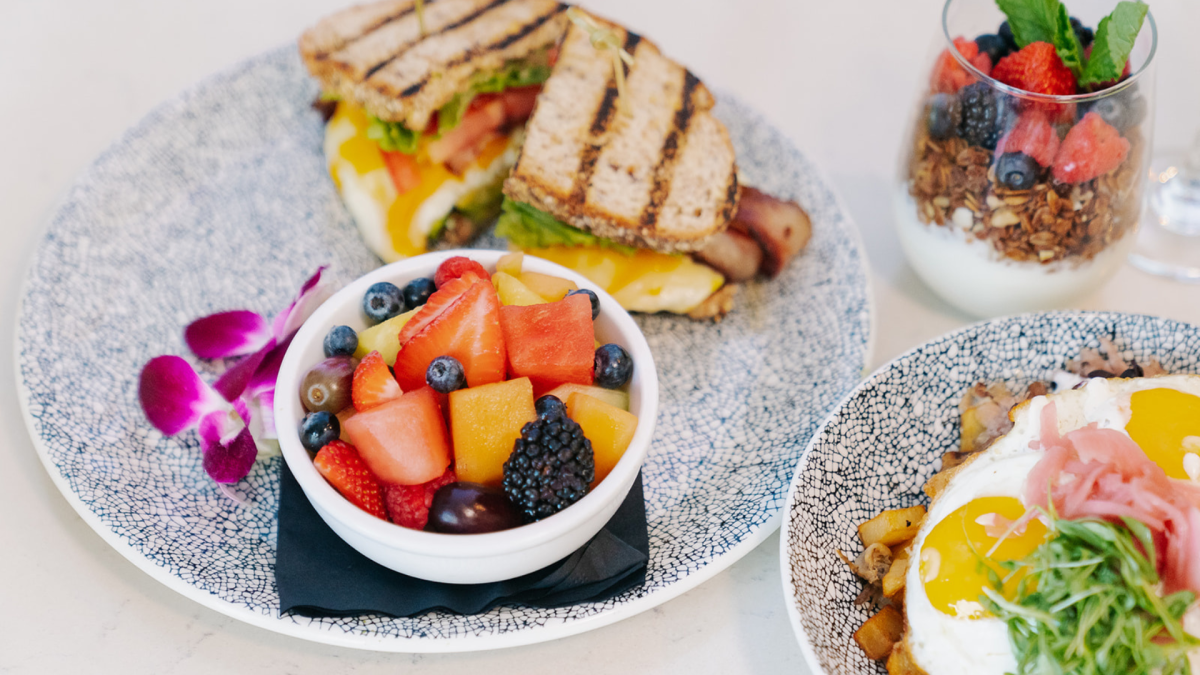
[(949, 629)]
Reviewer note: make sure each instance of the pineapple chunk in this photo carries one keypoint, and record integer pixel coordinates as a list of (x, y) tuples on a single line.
[(613, 397), (549, 287), (513, 292), (609, 428), (383, 338), (511, 263)]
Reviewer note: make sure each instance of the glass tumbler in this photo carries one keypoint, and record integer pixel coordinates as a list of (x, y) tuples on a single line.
[(1003, 204)]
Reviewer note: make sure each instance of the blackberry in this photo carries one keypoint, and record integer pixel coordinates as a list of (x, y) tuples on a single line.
[(551, 466), (981, 112), (1017, 171), (1083, 33), (994, 46), (942, 116)]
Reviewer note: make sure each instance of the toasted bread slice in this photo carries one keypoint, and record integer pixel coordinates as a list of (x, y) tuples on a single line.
[(375, 55), (658, 173)]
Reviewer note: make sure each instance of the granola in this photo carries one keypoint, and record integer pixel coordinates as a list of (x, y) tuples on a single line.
[(954, 185)]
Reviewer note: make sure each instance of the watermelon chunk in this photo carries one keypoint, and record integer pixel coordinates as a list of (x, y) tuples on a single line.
[(551, 344), (469, 330), (403, 441)]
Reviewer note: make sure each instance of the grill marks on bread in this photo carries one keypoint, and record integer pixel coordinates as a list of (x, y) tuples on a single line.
[(375, 55), (656, 174)]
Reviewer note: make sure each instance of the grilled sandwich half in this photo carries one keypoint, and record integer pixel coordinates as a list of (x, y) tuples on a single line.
[(430, 102), (630, 187)]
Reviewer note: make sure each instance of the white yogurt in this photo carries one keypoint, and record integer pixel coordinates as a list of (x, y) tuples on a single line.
[(971, 275)]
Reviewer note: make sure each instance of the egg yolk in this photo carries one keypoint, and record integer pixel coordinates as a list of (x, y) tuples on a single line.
[(1165, 423), (957, 554)]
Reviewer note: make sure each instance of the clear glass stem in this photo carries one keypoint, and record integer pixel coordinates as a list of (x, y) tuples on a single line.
[(1176, 203)]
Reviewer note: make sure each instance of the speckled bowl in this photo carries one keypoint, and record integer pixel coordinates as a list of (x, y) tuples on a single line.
[(450, 558), (887, 438)]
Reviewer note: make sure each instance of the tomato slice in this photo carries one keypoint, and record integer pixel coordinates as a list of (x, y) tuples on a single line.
[(405, 175), (477, 123), (519, 102)]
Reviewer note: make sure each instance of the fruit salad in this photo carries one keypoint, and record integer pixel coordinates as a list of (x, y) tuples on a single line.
[(474, 402), (1028, 145)]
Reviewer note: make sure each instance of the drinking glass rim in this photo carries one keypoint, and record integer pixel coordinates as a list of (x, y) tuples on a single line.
[(1070, 98)]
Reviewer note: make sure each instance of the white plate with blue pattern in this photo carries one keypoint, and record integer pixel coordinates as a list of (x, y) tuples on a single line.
[(880, 446), (219, 199)]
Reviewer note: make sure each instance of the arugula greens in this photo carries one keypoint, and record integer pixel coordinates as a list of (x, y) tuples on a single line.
[(1089, 604), (528, 227), (395, 137), (1048, 21)]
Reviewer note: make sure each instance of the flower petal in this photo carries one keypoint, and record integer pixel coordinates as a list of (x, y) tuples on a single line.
[(311, 295), (174, 397), (234, 381), (227, 334), (267, 374), (230, 462), (221, 426)]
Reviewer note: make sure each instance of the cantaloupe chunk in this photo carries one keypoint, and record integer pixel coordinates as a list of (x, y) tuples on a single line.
[(383, 338), (609, 428), (513, 292), (510, 263), (613, 397), (485, 421), (549, 287)]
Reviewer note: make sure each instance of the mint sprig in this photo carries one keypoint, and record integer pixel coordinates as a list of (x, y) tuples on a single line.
[(1048, 21), (1114, 42)]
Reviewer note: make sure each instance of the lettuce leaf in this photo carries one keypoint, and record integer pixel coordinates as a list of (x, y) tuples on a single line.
[(393, 136), (528, 227)]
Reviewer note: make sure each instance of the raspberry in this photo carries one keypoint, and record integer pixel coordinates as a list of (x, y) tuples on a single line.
[(408, 505), (1092, 148), (948, 74), (453, 268), (1036, 69), (1033, 135)]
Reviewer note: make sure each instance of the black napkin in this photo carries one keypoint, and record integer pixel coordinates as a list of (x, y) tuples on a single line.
[(318, 574)]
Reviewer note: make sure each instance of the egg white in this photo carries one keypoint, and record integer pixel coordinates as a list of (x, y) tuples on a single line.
[(941, 644)]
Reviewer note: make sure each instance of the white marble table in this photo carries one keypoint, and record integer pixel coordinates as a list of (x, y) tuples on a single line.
[(832, 74)]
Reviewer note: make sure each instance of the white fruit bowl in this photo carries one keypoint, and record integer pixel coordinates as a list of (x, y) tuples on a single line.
[(457, 558)]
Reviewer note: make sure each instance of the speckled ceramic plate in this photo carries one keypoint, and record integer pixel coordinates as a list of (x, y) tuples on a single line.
[(220, 200), (887, 438)]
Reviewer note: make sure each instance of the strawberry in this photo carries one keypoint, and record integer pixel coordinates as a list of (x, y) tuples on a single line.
[(373, 383), (408, 505), (469, 330), (340, 464), (453, 268), (948, 74), (1033, 135), (1036, 68), (1092, 148), (441, 300)]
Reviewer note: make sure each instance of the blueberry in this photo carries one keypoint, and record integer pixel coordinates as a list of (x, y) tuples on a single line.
[(994, 46), (1005, 33), (942, 115), (1017, 171), (445, 374), (591, 296), (613, 366), (1122, 110), (341, 341), (383, 301), (318, 430), (417, 292), (549, 405), (1083, 33)]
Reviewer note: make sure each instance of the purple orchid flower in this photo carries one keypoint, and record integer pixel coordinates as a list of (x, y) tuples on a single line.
[(235, 416)]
